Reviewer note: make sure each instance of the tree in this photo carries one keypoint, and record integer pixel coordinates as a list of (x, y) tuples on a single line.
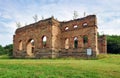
[(18, 24), (25, 23), (42, 17), (9, 49), (75, 15), (35, 17), (2, 50), (113, 44)]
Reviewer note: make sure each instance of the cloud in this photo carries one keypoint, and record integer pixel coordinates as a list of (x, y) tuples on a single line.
[(12, 11)]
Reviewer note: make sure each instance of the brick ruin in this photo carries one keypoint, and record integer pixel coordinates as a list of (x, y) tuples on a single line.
[(50, 38)]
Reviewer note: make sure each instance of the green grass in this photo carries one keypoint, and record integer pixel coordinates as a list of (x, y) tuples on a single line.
[(4, 57), (108, 67)]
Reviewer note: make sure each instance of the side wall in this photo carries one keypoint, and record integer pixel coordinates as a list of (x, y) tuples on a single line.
[(102, 44), (36, 32), (84, 27), (56, 38), (72, 38)]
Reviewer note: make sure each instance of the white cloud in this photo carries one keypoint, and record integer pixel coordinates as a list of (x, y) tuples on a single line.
[(23, 10), (6, 39)]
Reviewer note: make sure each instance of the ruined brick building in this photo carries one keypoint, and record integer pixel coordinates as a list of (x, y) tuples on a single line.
[(50, 38)]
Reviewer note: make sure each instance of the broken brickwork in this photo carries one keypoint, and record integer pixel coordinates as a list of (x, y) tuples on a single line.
[(50, 38)]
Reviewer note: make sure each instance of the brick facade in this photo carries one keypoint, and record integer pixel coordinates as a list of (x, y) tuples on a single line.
[(63, 39)]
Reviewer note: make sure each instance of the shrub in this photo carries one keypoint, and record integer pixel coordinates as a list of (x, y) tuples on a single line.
[(101, 56)]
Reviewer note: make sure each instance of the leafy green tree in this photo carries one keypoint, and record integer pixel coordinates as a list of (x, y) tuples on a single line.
[(2, 50), (113, 44), (9, 49)]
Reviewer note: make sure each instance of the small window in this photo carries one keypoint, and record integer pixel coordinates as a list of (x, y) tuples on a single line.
[(75, 26), (32, 42), (85, 39), (75, 42), (66, 28), (85, 24), (44, 41)]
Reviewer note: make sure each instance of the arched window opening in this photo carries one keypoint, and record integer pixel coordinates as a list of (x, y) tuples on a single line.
[(85, 39), (32, 42), (75, 26), (44, 41), (85, 24), (30, 47), (66, 28), (75, 42), (20, 45), (66, 43)]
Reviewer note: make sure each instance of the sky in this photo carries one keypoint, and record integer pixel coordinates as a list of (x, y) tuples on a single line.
[(12, 11)]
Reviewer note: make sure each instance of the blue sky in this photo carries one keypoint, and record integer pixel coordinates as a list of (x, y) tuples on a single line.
[(12, 11)]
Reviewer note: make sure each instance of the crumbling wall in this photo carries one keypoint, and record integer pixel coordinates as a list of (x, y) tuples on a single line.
[(71, 38), (102, 44), (36, 32), (80, 28)]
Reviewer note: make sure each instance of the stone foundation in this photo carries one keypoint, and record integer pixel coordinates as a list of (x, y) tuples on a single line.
[(47, 53)]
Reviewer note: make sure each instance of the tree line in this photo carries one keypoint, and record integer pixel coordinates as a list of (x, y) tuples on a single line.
[(8, 49), (113, 46)]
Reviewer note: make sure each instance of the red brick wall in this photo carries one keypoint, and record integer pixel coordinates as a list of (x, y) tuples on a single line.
[(56, 35)]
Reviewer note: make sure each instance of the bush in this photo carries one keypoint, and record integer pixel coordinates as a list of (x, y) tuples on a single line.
[(113, 44), (101, 56), (2, 50), (7, 50)]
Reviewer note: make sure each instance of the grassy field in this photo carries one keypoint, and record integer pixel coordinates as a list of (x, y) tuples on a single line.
[(60, 68)]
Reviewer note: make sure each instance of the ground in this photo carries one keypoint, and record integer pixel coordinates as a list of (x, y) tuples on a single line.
[(108, 67)]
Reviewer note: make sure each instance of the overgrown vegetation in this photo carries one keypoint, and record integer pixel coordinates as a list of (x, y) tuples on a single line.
[(108, 67), (113, 44), (7, 50)]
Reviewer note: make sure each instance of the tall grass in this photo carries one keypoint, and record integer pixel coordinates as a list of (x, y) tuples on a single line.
[(108, 67)]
